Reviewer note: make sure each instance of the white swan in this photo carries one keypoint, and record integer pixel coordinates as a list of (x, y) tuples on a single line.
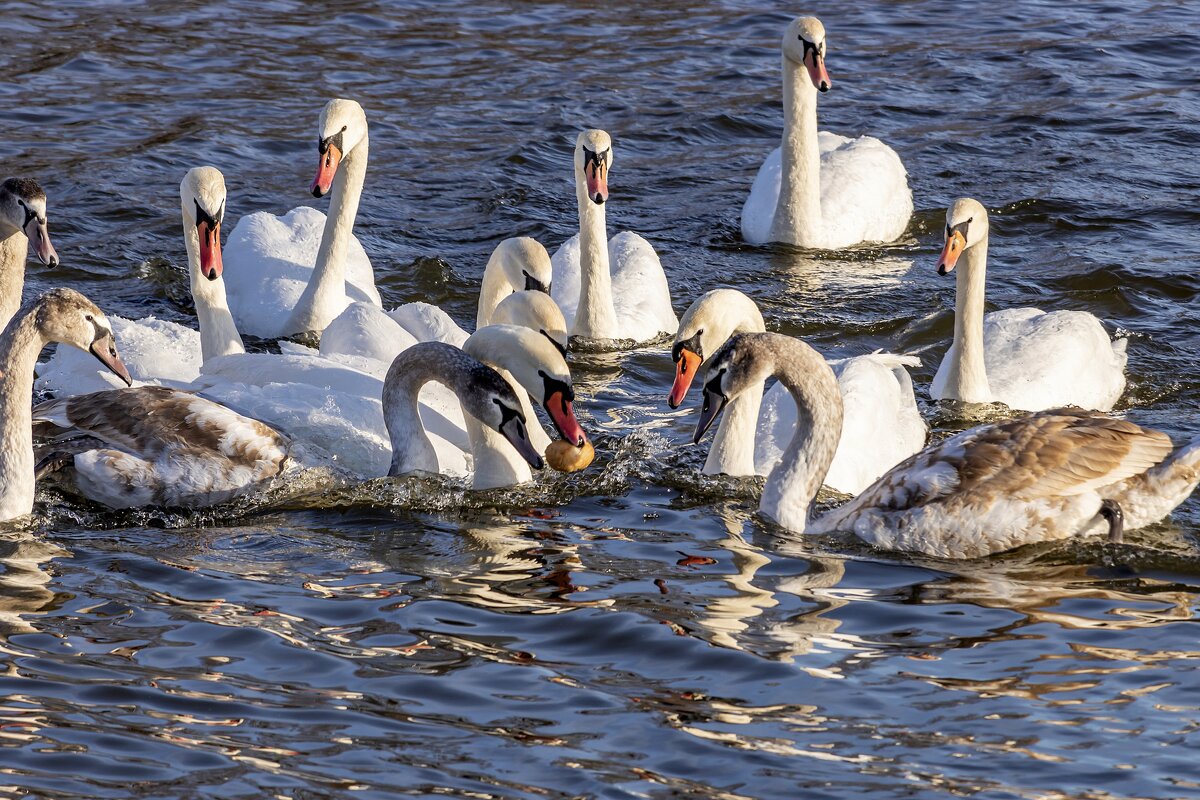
[(294, 274), (22, 225), (519, 264), (883, 424), (61, 315), (157, 351), (822, 191), (607, 289), (1047, 476), (1022, 357), (485, 395)]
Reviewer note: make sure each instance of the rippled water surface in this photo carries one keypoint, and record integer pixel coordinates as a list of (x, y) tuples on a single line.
[(635, 631)]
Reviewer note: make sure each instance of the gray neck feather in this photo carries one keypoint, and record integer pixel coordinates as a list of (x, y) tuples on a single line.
[(14, 250)]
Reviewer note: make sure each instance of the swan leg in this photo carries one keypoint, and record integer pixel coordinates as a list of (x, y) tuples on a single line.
[(1111, 511)]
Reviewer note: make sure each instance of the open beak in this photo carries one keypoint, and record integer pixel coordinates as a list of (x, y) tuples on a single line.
[(210, 250), (326, 169), (514, 431), (713, 403), (955, 245), (816, 71), (563, 416), (105, 349), (39, 241), (596, 172), (685, 371)]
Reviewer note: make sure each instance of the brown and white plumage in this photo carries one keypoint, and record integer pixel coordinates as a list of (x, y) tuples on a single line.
[(157, 446), (996, 487), (1047, 476)]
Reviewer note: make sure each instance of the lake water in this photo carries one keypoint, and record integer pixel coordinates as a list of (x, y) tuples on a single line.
[(635, 631)]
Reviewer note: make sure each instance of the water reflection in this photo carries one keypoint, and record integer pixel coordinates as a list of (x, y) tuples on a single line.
[(25, 580)]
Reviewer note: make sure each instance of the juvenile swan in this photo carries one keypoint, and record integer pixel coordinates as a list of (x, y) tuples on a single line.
[(1047, 476)]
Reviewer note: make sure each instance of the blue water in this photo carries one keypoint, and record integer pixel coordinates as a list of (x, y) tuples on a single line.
[(635, 631)]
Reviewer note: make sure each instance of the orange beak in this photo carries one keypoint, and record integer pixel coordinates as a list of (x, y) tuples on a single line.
[(685, 371), (563, 417), (210, 250), (955, 244), (816, 71), (326, 169), (597, 180)]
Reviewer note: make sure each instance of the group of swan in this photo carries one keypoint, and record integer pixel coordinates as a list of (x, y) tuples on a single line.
[(395, 392)]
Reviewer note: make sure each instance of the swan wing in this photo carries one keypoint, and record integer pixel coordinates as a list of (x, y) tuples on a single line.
[(269, 261), (758, 212), (1037, 361), (426, 322), (165, 447), (864, 191), (364, 330), (640, 294), (565, 281), (882, 425), (998, 486)]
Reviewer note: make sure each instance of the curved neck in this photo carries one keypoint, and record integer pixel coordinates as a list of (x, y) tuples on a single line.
[(495, 287), (20, 344), (496, 463), (798, 217), (325, 295), (967, 380), (732, 450), (14, 250), (218, 333), (797, 478), (595, 316)]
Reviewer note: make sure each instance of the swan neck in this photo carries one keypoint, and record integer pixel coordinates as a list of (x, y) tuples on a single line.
[(14, 250), (218, 332), (798, 217), (795, 481), (495, 287), (325, 295), (595, 317), (412, 449), (20, 344), (732, 451), (496, 463), (968, 380)]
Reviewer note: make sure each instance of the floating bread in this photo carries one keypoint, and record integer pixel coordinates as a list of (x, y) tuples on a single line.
[(566, 457)]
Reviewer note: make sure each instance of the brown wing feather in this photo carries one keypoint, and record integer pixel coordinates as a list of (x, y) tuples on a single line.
[(1060, 452)]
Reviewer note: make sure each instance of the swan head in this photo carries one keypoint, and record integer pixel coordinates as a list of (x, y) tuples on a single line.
[(23, 208), (705, 326), (492, 401), (537, 311), (593, 159), (342, 127), (537, 364), (525, 264), (736, 367), (966, 226), (66, 316), (804, 43), (202, 198)]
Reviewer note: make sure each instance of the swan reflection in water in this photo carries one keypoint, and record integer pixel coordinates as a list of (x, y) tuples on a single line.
[(24, 580)]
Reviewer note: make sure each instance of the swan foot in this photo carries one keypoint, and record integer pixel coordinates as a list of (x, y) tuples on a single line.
[(1111, 511)]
